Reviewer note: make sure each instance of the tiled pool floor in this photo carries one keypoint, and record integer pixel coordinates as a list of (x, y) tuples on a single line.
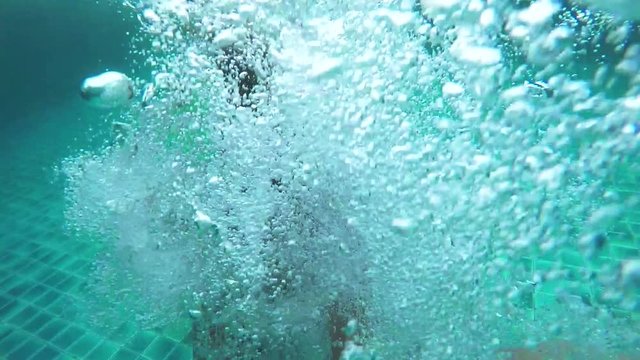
[(44, 271)]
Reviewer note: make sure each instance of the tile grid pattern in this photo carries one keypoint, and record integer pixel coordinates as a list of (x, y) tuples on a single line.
[(43, 277), (41, 286), (622, 244), (42, 273)]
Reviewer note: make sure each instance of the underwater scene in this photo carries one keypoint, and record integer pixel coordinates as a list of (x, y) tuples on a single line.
[(328, 179)]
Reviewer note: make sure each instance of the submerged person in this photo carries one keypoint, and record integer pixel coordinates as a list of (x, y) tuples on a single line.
[(247, 71)]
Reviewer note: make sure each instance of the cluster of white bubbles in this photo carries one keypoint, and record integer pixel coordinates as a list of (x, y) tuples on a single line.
[(404, 156)]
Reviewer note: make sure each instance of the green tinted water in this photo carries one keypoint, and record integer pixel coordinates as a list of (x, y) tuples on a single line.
[(44, 268), (47, 48)]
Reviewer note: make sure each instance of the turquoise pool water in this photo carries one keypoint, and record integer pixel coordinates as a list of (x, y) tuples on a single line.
[(170, 240), (47, 49)]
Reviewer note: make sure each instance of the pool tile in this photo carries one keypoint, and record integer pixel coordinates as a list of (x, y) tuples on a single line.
[(61, 260), (84, 345), (65, 308), (125, 354), (40, 274), (160, 348), (634, 228), (12, 342), (73, 266), (181, 352), (123, 333), (545, 300), (38, 322), (23, 316), (55, 278), (573, 258), (18, 289), (27, 267), (48, 298), (68, 283), (52, 329), (624, 253), (6, 274), (104, 351), (140, 341), (48, 257), (9, 282), (68, 337), (4, 300), (179, 329), (34, 292), (48, 352), (29, 348), (10, 308), (6, 257), (35, 250), (5, 330)]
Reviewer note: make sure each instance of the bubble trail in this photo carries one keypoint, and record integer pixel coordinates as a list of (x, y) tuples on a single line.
[(434, 179)]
